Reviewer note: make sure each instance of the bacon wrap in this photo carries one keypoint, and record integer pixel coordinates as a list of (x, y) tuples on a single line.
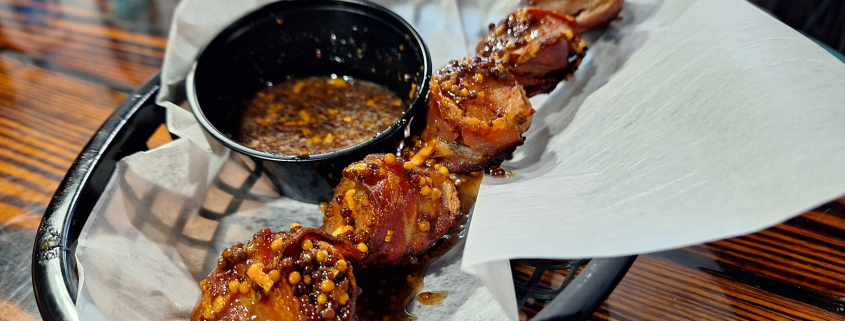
[(391, 210), (264, 299), (540, 47), (589, 14), (476, 116)]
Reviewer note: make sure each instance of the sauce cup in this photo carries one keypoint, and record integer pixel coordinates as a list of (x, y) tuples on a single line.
[(296, 39)]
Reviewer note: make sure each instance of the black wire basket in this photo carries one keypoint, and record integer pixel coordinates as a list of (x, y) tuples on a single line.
[(545, 289)]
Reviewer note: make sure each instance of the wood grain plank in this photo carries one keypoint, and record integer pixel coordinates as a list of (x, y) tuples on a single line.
[(45, 41), (656, 289), (45, 120), (792, 271), (11, 311), (96, 13), (44, 167), (22, 217), (788, 272), (796, 252), (80, 35)]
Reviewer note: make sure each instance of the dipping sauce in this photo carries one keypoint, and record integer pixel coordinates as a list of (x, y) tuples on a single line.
[(432, 298), (317, 115)]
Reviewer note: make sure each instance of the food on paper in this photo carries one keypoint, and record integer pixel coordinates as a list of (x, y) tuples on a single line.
[(539, 47), (589, 14), (303, 274), (392, 210), (476, 115)]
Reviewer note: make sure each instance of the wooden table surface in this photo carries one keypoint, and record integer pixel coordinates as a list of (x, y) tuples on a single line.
[(65, 65)]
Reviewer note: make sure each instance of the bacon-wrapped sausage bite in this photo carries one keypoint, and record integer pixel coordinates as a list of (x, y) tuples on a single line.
[(392, 210), (540, 47), (302, 275), (589, 14), (476, 116)]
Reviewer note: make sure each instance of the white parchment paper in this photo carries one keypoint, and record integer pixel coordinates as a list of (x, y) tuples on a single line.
[(723, 122), (687, 122)]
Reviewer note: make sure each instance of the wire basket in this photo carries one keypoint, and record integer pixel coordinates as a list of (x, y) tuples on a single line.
[(544, 288)]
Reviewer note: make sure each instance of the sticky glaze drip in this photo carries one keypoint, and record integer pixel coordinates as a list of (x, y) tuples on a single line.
[(387, 291)]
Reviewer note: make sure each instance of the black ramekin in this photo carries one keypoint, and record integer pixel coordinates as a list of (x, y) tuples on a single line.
[(300, 38)]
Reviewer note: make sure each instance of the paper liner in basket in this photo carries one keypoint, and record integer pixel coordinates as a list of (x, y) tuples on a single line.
[(687, 122)]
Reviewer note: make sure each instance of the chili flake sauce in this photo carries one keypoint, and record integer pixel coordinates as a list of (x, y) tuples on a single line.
[(317, 115)]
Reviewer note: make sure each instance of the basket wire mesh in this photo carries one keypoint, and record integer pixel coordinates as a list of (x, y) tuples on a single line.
[(242, 181)]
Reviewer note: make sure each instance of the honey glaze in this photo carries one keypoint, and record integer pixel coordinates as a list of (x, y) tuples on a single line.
[(317, 115), (387, 291), (432, 298)]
